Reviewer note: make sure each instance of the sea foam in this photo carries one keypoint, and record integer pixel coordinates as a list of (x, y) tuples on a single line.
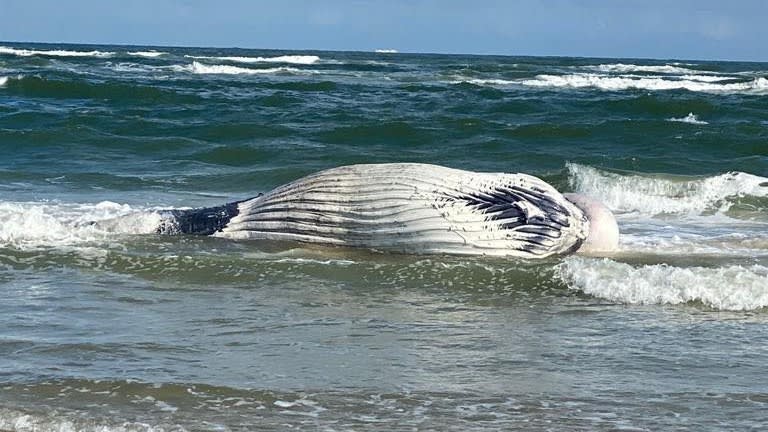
[(484, 81), (147, 54), (667, 71), (708, 78), (690, 119), (62, 421), (732, 287), (758, 85), (200, 68), (290, 59), (54, 53), (628, 68), (32, 225), (695, 83), (649, 195)]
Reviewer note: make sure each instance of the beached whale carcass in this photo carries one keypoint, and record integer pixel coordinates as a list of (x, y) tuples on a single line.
[(413, 208)]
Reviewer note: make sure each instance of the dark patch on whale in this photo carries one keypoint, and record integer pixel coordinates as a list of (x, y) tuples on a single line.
[(200, 221)]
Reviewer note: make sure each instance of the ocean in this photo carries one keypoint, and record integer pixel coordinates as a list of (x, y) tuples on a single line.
[(129, 331)]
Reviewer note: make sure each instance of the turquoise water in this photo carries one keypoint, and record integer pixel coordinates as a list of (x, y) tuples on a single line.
[(130, 331)]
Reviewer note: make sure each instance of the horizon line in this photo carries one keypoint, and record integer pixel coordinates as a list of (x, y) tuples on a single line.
[(373, 50)]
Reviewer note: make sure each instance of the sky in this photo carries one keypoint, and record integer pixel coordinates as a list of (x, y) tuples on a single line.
[(664, 29)]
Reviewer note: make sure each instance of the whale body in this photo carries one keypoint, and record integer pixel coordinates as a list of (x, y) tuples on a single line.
[(407, 208)]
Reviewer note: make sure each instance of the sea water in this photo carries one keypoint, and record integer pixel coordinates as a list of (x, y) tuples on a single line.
[(125, 330)]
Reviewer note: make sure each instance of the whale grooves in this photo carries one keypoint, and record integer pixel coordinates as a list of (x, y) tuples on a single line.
[(411, 208)]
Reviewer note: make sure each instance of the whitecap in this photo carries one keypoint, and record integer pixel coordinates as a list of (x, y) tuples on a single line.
[(32, 225), (165, 406), (290, 59), (386, 51), (148, 54), (308, 407), (63, 421), (690, 119), (3, 81), (733, 287), (707, 78), (655, 195), (758, 85), (200, 68), (132, 67), (484, 82), (627, 68), (53, 53)]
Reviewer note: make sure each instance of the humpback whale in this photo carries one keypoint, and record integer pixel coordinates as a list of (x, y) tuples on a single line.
[(413, 208)]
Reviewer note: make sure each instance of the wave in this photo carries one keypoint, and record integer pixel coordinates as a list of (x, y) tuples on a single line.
[(696, 83), (6, 79), (36, 86), (53, 53), (648, 195), (732, 287), (690, 119), (147, 54), (200, 68), (628, 68), (25, 225), (386, 51), (707, 78), (290, 59), (17, 420), (758, 85), (137, 67), (485, 82)]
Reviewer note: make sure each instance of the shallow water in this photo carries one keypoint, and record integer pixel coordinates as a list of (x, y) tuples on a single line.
[(130, 331)]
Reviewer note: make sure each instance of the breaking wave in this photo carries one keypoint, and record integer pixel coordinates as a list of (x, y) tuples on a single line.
[(32, 225), (707, 78), (147, 54), (21, 421), (290, 59), (485, 81), (734, 287), (650, 195), (691, 118), (200, 68), (629, 68), (6, 79), (617, 83), (53, 53)]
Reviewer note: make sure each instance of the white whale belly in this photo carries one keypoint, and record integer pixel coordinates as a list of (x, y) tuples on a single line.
[(415, 208)]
